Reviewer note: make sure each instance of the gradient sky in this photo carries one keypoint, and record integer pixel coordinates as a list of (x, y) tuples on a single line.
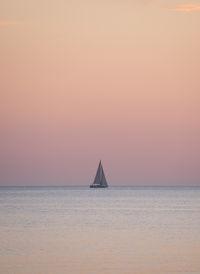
[(87, 80)]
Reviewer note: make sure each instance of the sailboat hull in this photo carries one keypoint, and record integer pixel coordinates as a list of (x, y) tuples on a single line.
[(98, 186)]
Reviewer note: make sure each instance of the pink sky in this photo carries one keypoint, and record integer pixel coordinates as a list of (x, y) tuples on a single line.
[(87, 80)]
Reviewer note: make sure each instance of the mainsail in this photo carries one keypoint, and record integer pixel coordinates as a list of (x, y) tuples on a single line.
[(100, 179)]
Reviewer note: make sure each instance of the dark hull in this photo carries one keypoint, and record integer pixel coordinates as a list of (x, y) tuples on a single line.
[(97, 186)]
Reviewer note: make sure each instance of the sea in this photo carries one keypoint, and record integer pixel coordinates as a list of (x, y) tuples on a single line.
[(78, 230)]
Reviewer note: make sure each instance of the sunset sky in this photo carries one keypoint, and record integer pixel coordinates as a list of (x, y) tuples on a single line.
[(87, 80)]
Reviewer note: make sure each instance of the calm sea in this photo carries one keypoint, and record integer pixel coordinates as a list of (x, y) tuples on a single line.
[(116, 230)]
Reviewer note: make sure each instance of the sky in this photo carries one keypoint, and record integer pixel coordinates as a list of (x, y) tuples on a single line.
[(87, 80)]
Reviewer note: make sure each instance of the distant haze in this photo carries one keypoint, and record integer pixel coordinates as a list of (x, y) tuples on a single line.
[(87, 80)]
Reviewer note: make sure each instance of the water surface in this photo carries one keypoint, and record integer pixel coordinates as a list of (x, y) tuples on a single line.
[(114, 230)]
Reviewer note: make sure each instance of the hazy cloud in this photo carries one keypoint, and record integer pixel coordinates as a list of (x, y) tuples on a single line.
[(5, 23), (188, 7)]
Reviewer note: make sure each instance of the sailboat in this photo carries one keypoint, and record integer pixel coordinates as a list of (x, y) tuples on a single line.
[(100, 179)]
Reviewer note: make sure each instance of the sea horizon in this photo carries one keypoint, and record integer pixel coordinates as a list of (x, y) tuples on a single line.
[(110, 186)]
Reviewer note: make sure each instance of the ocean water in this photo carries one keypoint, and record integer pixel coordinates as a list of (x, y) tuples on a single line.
[(116, 230)]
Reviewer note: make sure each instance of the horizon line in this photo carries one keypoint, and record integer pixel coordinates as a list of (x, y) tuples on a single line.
[(108, 187)]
